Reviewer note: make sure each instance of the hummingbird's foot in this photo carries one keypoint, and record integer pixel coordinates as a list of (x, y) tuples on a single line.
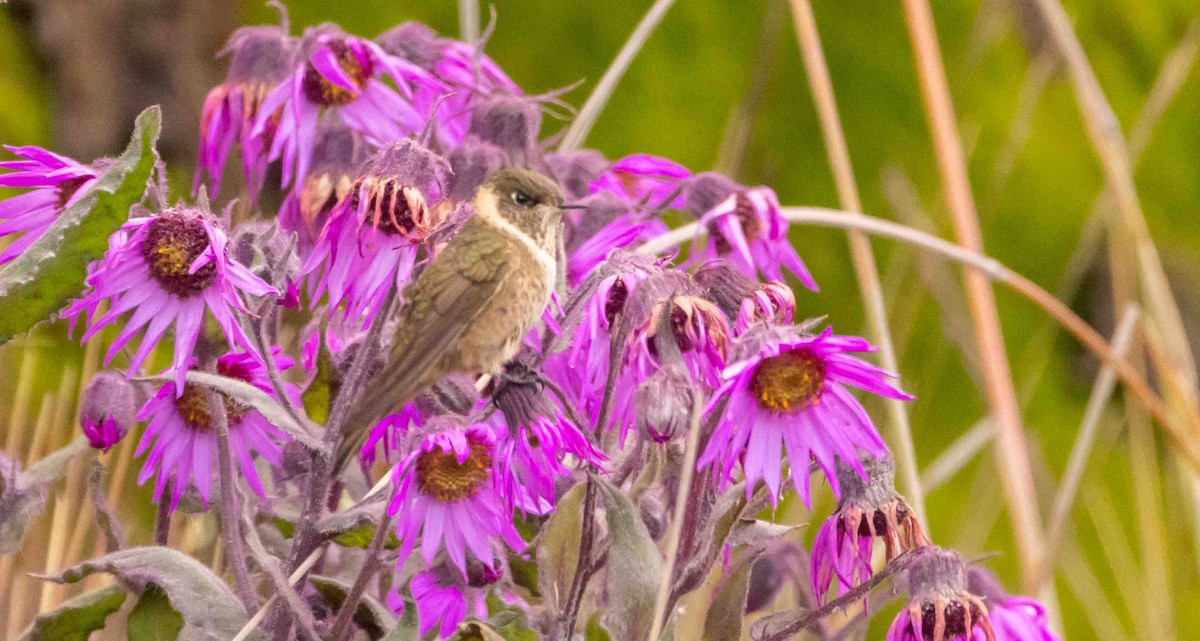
[(518, 373)]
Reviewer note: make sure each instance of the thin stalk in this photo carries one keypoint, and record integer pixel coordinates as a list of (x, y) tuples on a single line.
[(1176, 429), (681, 506), (1012, 455), (1064, 499), (865, 269), (106, 519), (468, 20), (595, 103), (301, 613), (370, 564), (261, 614), (579, 581), (234, 545), (162, 518), (1109, 145)]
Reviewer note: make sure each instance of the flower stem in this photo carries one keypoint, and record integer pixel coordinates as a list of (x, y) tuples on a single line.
[(865, 269), (234, 545), (370, 564)]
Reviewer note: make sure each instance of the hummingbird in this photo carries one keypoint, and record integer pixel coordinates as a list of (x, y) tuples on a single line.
[(469, 310)]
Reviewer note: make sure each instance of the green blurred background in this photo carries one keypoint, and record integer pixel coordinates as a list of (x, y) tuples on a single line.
[(74, 72)]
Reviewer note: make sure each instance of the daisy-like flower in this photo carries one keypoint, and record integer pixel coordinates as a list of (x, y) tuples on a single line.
[(374, 232), (259, 59), (182, 440), (167, 270), (940, 608), (450, 495), (388, 433), (538, 437), (645, 180), (55, 181), (1013, 618), (339, 155), (869, 509), (786, 391), (342, 75), (446, 597), (745, 227), (106, 410)]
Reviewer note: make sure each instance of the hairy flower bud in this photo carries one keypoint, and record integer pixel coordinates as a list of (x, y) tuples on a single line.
[(664, 403), (470, 163), (574, 171), (106, 409), (511, 123), (415, 42)]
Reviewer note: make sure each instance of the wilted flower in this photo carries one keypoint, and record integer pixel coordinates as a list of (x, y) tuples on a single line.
[(448, 495), (1013, 618), (167, 269), (182, 438), (106, 409), (644, 180), (869, 509), (745, 301), (339, 154), (786, 391), (745, 227), (259, 59), (939, 607), (56, 182), (345, 75), (371, 240), (538, 438)]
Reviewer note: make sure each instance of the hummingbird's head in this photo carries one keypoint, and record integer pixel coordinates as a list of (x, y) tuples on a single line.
[(530, 201)]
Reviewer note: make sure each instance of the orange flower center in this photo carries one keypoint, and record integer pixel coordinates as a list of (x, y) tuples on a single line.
[(439, 475), (789, 382), (327, 94)]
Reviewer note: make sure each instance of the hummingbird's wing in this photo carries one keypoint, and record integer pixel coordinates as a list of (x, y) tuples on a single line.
[(441, 304)]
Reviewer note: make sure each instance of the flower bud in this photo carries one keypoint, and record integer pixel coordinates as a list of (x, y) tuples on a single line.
[(574, 171), (106, 409), (509, 122), (664, 404), (470, 163)]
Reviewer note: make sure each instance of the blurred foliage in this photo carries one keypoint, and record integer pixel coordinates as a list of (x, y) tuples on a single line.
[(676, 101)]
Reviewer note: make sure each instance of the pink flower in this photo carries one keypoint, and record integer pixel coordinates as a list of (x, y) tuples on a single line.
[(167, 270), (644, 180), (787, 392), (449, 495), (260, 58), (1013, 618), (446, 597), (343, 75), (56, 183), (371, 241), (182, 440), (940, 607), (869, 509), (745, 227)]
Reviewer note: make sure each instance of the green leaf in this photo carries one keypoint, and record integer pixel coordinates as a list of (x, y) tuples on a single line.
[(76, 619), (375, 618), (510, 624), (209, 609), (153, 618), (23, 493), (406, 628), (558, 548), (242, 392), (48, 274), (724, 617), (594, 631), (351, 528), (634, 569), (318, 396)]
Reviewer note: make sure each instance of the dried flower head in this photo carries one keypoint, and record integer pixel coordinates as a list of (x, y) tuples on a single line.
[(940, 608)]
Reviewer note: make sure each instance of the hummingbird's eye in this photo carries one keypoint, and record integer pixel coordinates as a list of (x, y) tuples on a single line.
[(521, 198)]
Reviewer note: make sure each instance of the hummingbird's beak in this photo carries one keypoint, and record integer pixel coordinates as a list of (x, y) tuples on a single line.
[(572, 206)]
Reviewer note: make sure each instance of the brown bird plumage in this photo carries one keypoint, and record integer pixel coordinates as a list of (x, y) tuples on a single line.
[(470, 308)]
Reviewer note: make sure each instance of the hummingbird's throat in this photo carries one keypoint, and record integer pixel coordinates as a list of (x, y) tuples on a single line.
[(173, 242), (789, 382), (440, 476), (392, 207)]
